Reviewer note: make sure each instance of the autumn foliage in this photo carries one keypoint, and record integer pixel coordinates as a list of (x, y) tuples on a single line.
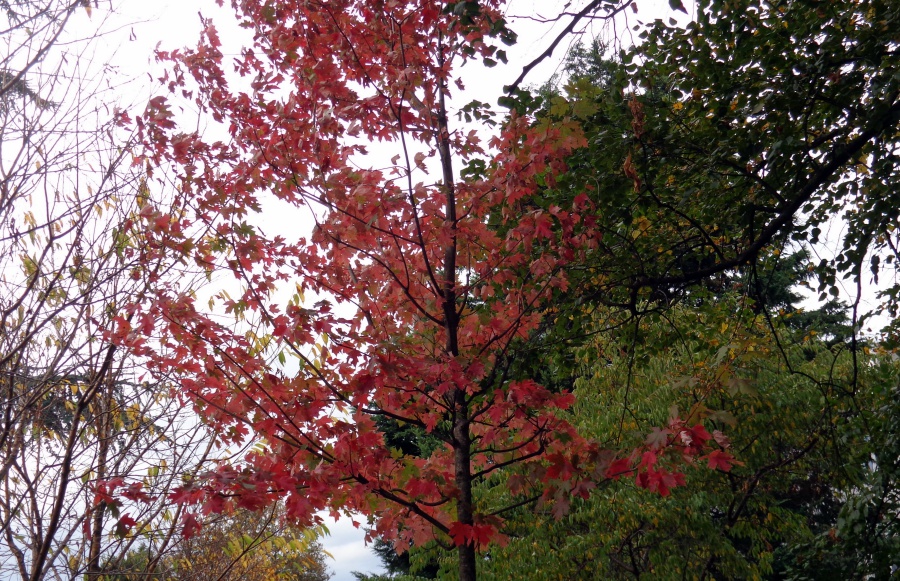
[(429, 261)]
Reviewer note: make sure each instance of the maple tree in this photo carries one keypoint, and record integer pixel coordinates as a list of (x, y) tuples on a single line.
[(428, 269)]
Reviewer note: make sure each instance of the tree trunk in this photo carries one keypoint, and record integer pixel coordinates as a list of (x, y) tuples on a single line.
[(463, 472), (103, 407), (462, 443)]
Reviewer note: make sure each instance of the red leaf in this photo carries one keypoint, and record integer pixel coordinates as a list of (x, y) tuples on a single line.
[(482, 534), (618, 468), (135, 491), (658, 438), (648, 460), (543, 226), (719, 460), (460, 533), (190, 525), (700, 434), (124, 525)]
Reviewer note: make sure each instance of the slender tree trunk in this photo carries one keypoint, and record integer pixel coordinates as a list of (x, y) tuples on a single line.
[(104, 405), (465, 512), (42, 550), (462, 442)]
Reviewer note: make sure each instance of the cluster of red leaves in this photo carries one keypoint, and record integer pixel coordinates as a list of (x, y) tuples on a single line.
[(678, 439), (110, 493), (443, 276)]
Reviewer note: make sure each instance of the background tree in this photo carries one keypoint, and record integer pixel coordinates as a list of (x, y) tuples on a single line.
[(78, 416), (859, 534), (414, 563), (253, 546), (799, 419), (749, 128), (31, 28)]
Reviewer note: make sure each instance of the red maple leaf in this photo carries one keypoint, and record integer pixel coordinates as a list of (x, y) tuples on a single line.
[(189, 525), (720, 460), (124, 525), (461, 533), (618, 468)]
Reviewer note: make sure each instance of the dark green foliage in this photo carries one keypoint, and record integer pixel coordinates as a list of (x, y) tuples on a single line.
[(860, 536), (773, 283), (400, 566), (409, 439), (748, 130), (799, 417)]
